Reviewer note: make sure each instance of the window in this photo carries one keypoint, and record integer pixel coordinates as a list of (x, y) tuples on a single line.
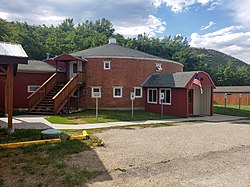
[(138, 92), (167, 96), (96, 91), (32, 88), (152, 95), (106, 64), (75, 68), (117, 92)]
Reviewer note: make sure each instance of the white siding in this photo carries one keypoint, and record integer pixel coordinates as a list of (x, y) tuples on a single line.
[(206, 100), (197, 99), (202, 103)]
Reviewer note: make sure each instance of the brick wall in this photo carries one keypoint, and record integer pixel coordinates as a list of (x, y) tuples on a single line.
[(127, 73)]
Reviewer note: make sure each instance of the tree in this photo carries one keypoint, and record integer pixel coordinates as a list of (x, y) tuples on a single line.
[(4, 30), (68, 37), (230, 75)]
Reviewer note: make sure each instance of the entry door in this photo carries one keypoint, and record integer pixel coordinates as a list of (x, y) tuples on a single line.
[(72, 69), (190, 101)]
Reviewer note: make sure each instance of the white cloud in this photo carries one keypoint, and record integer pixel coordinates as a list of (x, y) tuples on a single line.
[(4, 15), (150, 27), (208, 26), (230, 40), (129, 17), (240, 11), (180, 5)]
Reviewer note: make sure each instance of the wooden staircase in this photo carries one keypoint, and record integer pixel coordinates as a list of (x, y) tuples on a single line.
[(46, 105), (51, 97)]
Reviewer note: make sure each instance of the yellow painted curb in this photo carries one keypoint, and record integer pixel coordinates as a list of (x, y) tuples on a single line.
[(80, 137), (22, 144)]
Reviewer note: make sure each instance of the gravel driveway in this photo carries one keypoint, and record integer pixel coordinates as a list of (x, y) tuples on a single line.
[(199, 154)]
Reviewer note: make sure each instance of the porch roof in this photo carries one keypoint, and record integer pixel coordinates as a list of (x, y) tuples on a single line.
[(68, 58), (12, 54), (169, 80)]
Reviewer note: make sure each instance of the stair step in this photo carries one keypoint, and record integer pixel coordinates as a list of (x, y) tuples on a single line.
[(37, 112), (45, 104), (47, 99), (52, 93), (51, 111), (44, 107)]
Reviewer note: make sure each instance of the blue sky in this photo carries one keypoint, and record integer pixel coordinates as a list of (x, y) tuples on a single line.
[(222, 25)]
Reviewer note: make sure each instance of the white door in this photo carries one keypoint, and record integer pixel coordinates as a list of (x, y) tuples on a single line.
[(72, 69)]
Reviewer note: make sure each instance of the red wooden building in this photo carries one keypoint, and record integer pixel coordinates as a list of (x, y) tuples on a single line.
[(181, 97)]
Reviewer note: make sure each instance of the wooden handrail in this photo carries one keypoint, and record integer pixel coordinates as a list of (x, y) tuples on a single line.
[(44, 89), (61, 98)]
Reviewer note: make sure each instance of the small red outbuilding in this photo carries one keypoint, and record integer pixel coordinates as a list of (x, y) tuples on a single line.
[(181, 96)]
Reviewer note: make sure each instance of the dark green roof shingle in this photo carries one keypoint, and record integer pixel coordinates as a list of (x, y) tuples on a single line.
[(169, 80), (116, 51), (36, 66)]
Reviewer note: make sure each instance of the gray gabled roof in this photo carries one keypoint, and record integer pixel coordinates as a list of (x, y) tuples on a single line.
[(169, 80), (116, 51), (36, 66)]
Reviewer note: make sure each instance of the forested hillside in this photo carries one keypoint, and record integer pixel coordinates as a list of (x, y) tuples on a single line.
[(68, 37), (213, 57)]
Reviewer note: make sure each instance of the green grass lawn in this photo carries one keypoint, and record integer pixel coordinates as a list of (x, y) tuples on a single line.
[(19, 135), (89, 116), (233, 110)]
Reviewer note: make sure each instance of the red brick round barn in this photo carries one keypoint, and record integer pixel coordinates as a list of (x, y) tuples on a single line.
[(117, 71)]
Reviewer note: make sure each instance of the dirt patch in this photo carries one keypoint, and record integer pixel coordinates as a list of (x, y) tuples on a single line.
[(78, 121)]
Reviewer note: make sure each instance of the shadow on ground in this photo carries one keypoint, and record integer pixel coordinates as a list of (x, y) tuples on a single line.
[(68, 163)]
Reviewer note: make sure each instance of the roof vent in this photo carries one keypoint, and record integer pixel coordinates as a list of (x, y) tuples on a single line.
[(47, 55), (112, 40)]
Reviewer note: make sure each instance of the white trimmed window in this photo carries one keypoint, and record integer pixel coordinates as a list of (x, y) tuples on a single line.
[(117, 92), (167, 96), (96, 91), (106, 65), (152, 95), (138, 92), (32, 88)]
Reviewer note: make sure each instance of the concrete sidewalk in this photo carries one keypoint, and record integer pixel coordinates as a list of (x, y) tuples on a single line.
[(38, 122)]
